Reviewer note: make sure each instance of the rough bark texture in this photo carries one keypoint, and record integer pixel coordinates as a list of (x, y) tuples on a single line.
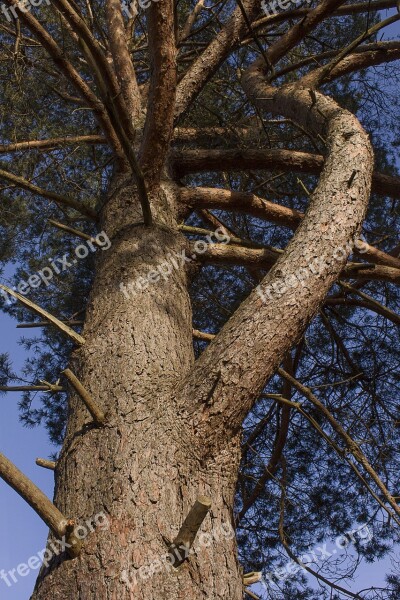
[(251, 345), (172, 425), (141, 469)]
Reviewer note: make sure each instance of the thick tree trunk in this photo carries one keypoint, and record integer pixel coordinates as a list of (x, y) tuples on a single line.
[(142, 468)]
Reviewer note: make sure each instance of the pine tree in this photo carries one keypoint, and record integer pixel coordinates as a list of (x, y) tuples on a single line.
[(199, 201)]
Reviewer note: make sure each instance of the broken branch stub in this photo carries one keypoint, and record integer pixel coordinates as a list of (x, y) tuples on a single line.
[(190, 527), (46, 464), (96, 413)]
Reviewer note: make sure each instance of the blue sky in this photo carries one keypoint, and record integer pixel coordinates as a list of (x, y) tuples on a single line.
[(22, 532)]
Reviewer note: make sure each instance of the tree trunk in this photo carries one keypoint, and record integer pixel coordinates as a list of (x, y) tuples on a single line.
[(142, 468)]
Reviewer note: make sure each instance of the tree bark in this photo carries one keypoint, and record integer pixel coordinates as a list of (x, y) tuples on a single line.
[(142, 467)]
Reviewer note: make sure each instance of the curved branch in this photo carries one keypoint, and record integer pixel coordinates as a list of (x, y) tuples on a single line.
[(228, 377)]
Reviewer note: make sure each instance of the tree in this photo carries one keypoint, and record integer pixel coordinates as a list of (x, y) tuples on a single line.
[(288, 390)]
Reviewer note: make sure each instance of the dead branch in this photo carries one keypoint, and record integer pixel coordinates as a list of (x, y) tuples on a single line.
[(46, 510), (96, 413), (57, 198), (78, 339), (188, 532)]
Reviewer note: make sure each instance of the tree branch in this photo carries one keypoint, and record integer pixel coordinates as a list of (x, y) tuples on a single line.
[(46, 464), (114, 102), (78, 339), (265, 258), (197, 161), (208, 63), (335, 69), (161, 99), (97, 414), (191, 20), (190, 527), (40, 503), (382, 310), (351, 445), (123, 64), (377, 48), (279, 445), (32, 388), (282, 537), (229, 375), (52, 143), (297, 33), (248, 203), (347, 9), (58, 56), (63, 200), (371, 302)]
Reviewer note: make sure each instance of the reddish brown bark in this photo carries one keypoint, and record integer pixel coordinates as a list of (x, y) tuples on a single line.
[(122, 60), (161, 99), (195, 161), (169, 427), (145, 469), (251, 204)]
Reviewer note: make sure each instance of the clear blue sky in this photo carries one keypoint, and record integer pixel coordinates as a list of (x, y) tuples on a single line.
[(22, 532)]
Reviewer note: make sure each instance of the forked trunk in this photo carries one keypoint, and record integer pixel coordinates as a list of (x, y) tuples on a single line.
[(141, 469)]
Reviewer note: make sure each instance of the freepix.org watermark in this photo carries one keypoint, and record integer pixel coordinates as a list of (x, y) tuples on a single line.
[(318, 555), (272, 7), (176, 556), (130, 10), (54, 548), (24, 6), (318, 266), (57, 266), (176, 260)]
